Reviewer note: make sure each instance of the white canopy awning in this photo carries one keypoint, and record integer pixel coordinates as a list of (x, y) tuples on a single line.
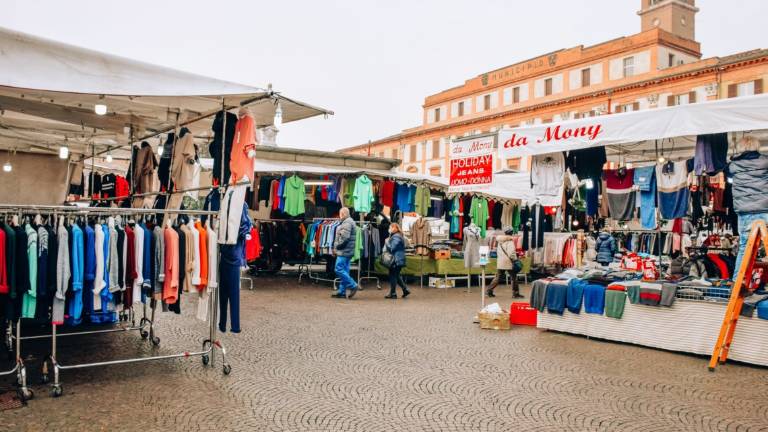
[(727, 115), (48, 91)]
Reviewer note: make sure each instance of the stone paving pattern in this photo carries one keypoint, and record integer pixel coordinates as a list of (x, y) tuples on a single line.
[(306, 362)]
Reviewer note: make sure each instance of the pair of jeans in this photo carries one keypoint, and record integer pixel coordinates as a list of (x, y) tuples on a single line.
[(745, 225), (342, 272), (499, 274), (396, 279), (229, 293)]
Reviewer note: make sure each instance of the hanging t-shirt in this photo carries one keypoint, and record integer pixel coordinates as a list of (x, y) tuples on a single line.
[(293, 194), (387, 193), (423, 200), (347, 194), (362, 194), (672, 181), (547, 172), (586, 163), (621, 197)]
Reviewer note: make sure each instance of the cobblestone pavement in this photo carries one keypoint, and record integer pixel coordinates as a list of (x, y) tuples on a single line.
[(306, 362)]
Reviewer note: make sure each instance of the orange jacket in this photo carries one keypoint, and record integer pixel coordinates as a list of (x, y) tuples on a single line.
[(244, 141), (203, 256)]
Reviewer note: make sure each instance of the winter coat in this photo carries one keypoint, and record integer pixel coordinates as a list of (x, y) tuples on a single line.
[(422, 236), (344, 243), (506, 252), (749, 171), (396, 246), (606, 247)]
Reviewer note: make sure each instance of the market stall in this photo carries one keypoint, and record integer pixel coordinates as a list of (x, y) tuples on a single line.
[(83, 128), (652, 191)]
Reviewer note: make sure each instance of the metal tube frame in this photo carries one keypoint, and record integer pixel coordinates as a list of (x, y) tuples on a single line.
[(19, 368), (209, 347)]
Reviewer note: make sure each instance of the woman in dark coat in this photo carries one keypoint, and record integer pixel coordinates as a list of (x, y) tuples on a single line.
[(395, 244)]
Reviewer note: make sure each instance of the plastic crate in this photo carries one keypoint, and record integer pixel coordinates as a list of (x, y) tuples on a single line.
[(522, 314)]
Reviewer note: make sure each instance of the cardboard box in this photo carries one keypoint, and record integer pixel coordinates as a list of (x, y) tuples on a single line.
[(494, 321)]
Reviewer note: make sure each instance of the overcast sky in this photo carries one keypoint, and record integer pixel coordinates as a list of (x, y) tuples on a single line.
[(372, 62)]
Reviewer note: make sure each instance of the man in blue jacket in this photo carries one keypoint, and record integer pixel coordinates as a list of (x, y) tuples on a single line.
[(344, 249)]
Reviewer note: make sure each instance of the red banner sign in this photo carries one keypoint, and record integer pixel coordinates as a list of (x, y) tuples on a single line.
[(471, 164)]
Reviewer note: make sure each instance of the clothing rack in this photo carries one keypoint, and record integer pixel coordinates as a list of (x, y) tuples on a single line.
[(167, 193), (316, 277), (209, 345)]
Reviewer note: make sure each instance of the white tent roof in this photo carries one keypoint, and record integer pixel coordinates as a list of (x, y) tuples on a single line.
[(638, 131), (48, 91)]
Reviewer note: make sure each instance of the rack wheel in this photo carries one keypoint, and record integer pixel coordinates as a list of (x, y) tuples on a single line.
[(155, 341), (57, 391), (26, 394), (144, 334), (206, 359), (45, 379), (227, 369)]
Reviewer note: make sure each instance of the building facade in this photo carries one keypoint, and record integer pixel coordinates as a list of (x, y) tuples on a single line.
[(658, 67)]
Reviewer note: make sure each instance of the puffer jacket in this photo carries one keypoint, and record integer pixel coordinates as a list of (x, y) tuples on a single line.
[(396, 246), (749, 171), (606, 247), (344, 244), (506, 252)]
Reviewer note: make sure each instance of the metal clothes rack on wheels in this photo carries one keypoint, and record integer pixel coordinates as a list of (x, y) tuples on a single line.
[(316, 277), (209, 345)]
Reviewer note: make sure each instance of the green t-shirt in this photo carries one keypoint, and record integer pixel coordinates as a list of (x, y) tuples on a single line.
[(294, 194)]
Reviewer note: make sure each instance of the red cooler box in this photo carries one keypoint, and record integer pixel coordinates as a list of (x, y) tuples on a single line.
[(522, 314)]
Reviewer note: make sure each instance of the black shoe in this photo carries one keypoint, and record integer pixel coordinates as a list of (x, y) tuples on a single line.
[(517, 296), (337, 295), (406, 293), (352, 292), (390, 296), (490, 294)]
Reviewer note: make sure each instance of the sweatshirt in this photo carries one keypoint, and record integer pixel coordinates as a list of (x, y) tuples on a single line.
[(30, 295), (62, 275)]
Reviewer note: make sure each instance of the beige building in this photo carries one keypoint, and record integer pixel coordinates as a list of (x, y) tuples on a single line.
[(660, 66)]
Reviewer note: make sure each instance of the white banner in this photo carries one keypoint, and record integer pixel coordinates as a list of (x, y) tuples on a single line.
[(727, 115), (471, 163)]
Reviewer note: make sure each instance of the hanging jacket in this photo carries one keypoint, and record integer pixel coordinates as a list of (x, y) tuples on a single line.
[(244, 141), (606, 247), (749, 171), (30, 295), (215, 147), (183, 162)]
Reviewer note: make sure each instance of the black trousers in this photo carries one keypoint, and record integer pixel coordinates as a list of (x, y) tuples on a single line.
[(500, 274), (396, 279)]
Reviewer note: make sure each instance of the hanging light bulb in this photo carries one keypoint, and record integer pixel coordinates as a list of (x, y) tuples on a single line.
[(160, 150), (662, 159), (278, 120), (575, 223), (63, 152), (7, 167), (109, 158), (100, 109)]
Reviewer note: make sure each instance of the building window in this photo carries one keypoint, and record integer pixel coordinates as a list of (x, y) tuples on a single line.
[(671, 60), (435, 171), (381, 154), (547, 86), (486, 102), (461, 108), (585, 77), (435, 149), (394, 153), (513, 163), (412, 155), (516, 95), (437, 115), (629, 66)]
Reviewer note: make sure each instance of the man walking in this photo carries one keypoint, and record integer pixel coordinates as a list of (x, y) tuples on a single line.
[(344, 248)]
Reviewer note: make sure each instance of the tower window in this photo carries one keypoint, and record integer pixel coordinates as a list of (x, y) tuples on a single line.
[(629, 66), (585, 77), (486, 102), (461, 109), (547, 86)]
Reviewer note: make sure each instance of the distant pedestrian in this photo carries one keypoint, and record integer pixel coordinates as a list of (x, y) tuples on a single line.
[(344, 249), (395, 245), (506, 261)]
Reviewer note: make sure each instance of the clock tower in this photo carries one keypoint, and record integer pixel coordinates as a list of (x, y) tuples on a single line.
[(674, 16)]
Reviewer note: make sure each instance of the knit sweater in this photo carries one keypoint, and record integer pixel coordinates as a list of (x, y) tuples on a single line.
[(62, 274), (575, 295), (556, 297), (114, 260), (594, 299)]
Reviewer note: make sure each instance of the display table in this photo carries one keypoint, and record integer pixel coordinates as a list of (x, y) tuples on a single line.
[(414, 266), (687, 326)]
